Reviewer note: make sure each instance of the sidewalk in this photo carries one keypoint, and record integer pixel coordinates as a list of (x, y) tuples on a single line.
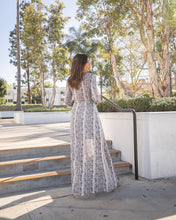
[(16, 135), (134, 200)]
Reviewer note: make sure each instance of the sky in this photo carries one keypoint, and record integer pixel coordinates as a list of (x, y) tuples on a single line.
[(7, 23)]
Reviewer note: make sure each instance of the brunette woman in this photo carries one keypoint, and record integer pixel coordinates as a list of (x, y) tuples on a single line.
[(91, 165)]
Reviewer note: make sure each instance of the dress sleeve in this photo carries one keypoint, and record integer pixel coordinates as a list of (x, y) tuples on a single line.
[(68, 96), (95, 96)]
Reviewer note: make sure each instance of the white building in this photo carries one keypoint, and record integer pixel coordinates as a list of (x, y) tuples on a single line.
[(11, 96)]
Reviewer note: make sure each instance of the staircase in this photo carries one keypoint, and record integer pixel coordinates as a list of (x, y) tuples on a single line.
[(29, 168)]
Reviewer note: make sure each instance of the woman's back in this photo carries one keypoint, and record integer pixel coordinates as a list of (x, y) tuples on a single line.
[(87, 90), (84, 89)]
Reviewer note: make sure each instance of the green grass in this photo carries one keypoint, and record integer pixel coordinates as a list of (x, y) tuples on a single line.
[(39, 109)]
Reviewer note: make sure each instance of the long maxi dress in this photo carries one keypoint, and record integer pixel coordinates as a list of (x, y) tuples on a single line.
[(91, 165)]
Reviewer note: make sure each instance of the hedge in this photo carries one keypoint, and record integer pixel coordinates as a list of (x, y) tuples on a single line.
[(13, 106), (58, 109), (34, 108), (142, 104)]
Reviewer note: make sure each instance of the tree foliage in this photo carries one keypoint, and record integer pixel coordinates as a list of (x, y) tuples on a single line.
[(3, 87), (43, 55)]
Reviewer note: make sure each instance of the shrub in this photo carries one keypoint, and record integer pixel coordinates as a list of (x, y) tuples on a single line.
[(12, 107), (40, 109), (147, 95), (142, 104), (2, 100), (163, 104), (173, 93)]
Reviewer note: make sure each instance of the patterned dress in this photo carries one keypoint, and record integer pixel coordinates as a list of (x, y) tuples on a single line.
[(91, 165)]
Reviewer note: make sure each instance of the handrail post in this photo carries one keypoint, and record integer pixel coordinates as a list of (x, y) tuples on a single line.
[(135, 143), (134, 132)]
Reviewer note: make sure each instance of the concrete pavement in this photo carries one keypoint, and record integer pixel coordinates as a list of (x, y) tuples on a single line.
[(16, 135), (133, 200)]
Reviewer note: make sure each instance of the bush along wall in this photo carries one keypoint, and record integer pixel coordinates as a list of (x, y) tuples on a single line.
[(12, 107), (142, 104)]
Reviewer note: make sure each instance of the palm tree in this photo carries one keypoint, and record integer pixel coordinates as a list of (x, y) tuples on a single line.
[(18, 105), (77, 41)]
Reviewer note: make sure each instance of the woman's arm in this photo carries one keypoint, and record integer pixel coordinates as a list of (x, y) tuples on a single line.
[(68, 96), (95, 96)]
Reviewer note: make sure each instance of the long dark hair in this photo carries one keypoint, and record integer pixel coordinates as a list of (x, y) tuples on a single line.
[(78, 63)]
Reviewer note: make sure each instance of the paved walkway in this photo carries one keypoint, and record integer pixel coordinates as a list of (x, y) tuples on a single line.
[(133, 200), (12, 134)]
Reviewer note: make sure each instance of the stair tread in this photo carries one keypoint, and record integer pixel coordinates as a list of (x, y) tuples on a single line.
[(48, 173), (41, 158), (32, 159), (31, 147)]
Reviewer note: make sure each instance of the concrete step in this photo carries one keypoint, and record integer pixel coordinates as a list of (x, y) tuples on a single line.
[(21, 166), (15, 153), (48, 178)]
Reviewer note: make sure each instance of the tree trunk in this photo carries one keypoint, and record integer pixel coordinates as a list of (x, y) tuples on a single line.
[(18, 105), (144, 20), (54, 78), (53, 94), (174, 72), (154, 77), (101, 86), (42, 85), (165, 66), (29, 88)]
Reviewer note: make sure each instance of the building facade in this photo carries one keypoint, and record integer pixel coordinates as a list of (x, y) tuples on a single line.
[(11, 97)]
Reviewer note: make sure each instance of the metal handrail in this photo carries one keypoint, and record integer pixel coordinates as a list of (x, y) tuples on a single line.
[(134, 131)]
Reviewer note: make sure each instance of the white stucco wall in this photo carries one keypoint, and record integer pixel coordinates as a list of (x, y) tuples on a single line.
[(7, 114), (156, 140), (41, 117)]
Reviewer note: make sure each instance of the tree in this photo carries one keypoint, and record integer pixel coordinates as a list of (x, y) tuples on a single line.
[(18, 105), (48, 85), (104, 18), (3, 87), (25, 55), (36, 93), (3, 91), (133, 61), (103, 68), (78, 41), (42, 50), (36, 36), (57, 54), (27, 60), (157, 29), (173, 59)]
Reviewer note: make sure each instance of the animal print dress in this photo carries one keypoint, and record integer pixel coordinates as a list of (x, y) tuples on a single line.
[(91, 165)]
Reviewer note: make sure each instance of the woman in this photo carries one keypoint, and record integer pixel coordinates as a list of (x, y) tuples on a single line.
[(91, 165)]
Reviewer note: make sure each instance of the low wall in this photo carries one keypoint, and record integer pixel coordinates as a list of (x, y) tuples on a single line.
[(156, 140), (7, 114), (41, 117)]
